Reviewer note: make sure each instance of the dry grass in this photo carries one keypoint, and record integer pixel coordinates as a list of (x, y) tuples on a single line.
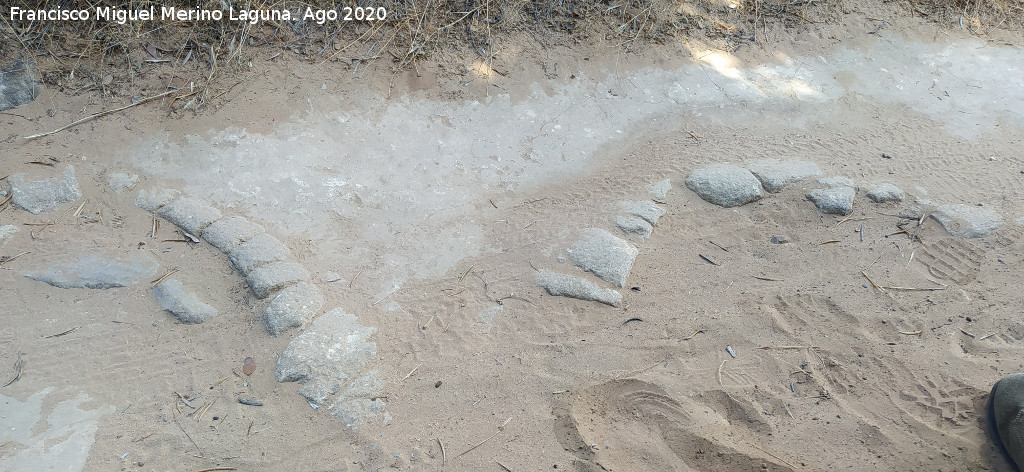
[(113, 58)]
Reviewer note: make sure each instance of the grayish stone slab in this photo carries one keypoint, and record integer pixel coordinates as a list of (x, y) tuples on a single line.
[(646, 209), (968, 221), (120, 181), (274, 276), (6, 233), (293, 307), (94, 271), (328, 357), (725, 185), (775, 174), (607, 256), (833, 182), (261, 249), (630, 224), (189, 214), (360, 400), (659, 191), (38, 196), (885, 193), (834, 201), (227, 233), (563, 285), (18, 84), (182, 303), (153, 199)]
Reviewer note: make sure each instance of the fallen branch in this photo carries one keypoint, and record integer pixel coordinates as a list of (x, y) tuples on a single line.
[(98, 114)]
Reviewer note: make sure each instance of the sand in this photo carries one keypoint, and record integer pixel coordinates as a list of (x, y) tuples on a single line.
[(425, 207)]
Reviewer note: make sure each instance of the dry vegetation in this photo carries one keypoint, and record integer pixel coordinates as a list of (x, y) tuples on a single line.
[(112, 58)]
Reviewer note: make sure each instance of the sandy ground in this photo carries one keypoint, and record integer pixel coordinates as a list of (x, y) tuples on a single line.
[(424, 201)]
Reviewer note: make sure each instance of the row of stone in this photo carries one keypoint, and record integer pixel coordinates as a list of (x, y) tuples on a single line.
[(256, 254), (730, 185), (329, 358), (605, 255)]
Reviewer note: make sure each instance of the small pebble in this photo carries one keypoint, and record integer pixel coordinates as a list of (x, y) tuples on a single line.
[(780, 239), (248, 366)]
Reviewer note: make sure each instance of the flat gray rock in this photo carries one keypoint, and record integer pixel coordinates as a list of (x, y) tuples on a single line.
[(630, 224), (269, 278), (153, 199), (563, 285), (885, 193), (38, 196), (189, 214), (6, 233), (834, 201), (659, 191), (833, 182), (328, 357), (725, 185), (120, 181), (94, 271), (260, 249), (968, 221), (293, 307), (775, 174), (183, 304), (18, 84), (603, 254), (360, 400), (227, 233), (647, 210)]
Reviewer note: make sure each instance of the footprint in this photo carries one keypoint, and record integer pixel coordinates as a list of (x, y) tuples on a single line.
[(628, 424), (955, 260)]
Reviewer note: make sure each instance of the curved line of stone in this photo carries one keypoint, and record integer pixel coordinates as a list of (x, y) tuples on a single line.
[(329, 358)]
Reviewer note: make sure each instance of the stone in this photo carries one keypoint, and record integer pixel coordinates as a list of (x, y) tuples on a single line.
[(39, 196), (269, 278), (659, 191), (182, 303), (564, 285), (360, 400), (293, 307), (650, 212), (119, 182), (833, 182), (154, 199), (725, 185), (189, 214), (331, 353), (1005, 410), (630, 224), (98, 272), (967, 221), (6, 233), (260, 249), (885, 193), (18, 84), (780, 239), (603, 254), (227, 233), (834, 201), (775, 174)]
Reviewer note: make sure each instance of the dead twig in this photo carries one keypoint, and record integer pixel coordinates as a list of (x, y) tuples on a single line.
[(481, 443), (97, 115), (18, 365)]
